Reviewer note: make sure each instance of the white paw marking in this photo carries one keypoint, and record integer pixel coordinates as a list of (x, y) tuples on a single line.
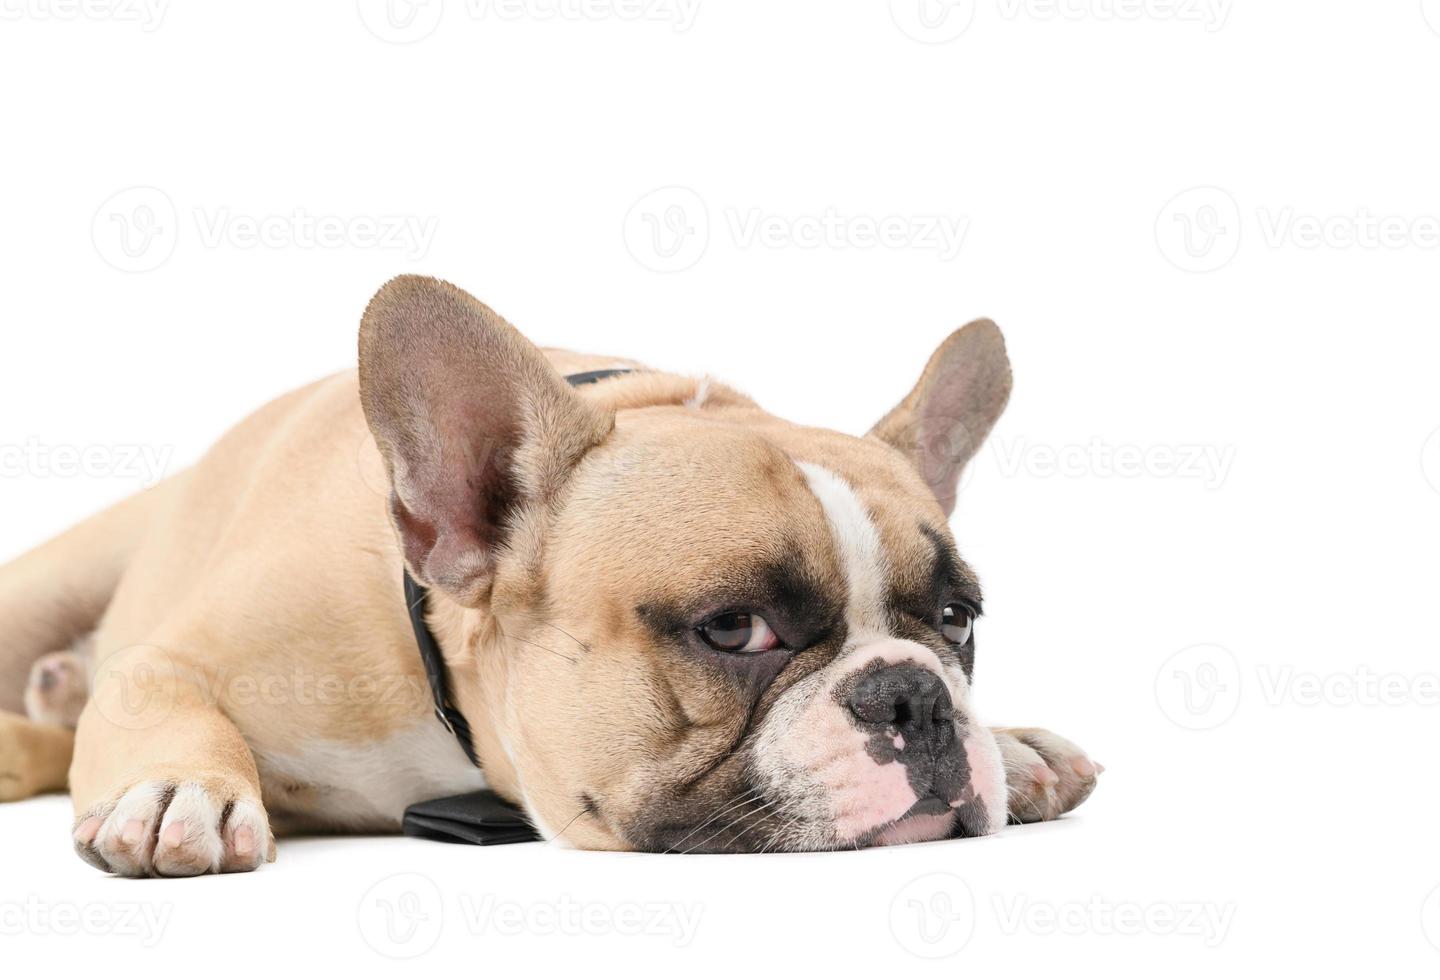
[(167, 829)]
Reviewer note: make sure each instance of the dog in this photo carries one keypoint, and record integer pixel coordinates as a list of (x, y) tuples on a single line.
[(669, 620)]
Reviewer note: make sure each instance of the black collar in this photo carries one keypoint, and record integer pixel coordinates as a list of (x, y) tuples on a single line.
[(417, 599)]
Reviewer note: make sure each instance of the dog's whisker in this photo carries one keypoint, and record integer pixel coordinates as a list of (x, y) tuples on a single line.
[(779, 833), (561, 832), (759, 815), (743, 816), (506, 637), (578, 642), (725, 808), (542, 646)]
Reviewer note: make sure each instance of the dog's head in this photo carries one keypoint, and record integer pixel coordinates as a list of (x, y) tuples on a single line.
[(694, 626)]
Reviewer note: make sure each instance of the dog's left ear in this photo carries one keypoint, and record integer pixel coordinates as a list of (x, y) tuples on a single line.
[(473, 423), (942, 423)]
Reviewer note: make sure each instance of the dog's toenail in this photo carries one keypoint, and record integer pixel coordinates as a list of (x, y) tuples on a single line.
[(1083, 766), (85, 833), (133, 833), (174, 834), (244, 842)]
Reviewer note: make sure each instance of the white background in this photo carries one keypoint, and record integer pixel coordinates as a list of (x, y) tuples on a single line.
[(1214, 471)]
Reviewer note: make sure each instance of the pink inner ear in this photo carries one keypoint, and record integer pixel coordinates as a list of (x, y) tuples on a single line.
[(961, 398), (463, 497)]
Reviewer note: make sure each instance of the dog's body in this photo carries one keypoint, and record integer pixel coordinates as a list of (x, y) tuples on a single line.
[(255, 670)]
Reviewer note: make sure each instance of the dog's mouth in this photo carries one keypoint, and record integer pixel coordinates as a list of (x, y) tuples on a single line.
[(759, 828), (929, 819)]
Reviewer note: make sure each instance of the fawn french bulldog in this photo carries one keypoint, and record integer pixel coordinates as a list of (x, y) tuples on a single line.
[(671, 620)]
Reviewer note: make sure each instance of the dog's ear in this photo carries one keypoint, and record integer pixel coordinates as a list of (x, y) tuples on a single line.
[(941, 424), (472, 422)]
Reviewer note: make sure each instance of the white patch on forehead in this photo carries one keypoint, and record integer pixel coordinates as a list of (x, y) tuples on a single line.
[(858, 543)]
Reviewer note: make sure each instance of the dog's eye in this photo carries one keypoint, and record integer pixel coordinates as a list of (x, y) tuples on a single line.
[(738, 632), (956, 623)]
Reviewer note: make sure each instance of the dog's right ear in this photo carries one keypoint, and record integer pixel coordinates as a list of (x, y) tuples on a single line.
[(943, 421), (472, 422)]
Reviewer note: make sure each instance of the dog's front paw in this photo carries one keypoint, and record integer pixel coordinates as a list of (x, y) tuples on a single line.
[(1047, 775), (177, 828)]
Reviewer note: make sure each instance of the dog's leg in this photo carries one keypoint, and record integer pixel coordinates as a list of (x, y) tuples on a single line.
[(54, 595), (1047, 775), (163, 782), (33, 757)]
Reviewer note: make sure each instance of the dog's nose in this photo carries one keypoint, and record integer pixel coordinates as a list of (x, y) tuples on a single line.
[(904, 696)]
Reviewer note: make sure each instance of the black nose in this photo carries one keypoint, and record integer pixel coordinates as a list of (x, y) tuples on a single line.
[(904, 696)]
